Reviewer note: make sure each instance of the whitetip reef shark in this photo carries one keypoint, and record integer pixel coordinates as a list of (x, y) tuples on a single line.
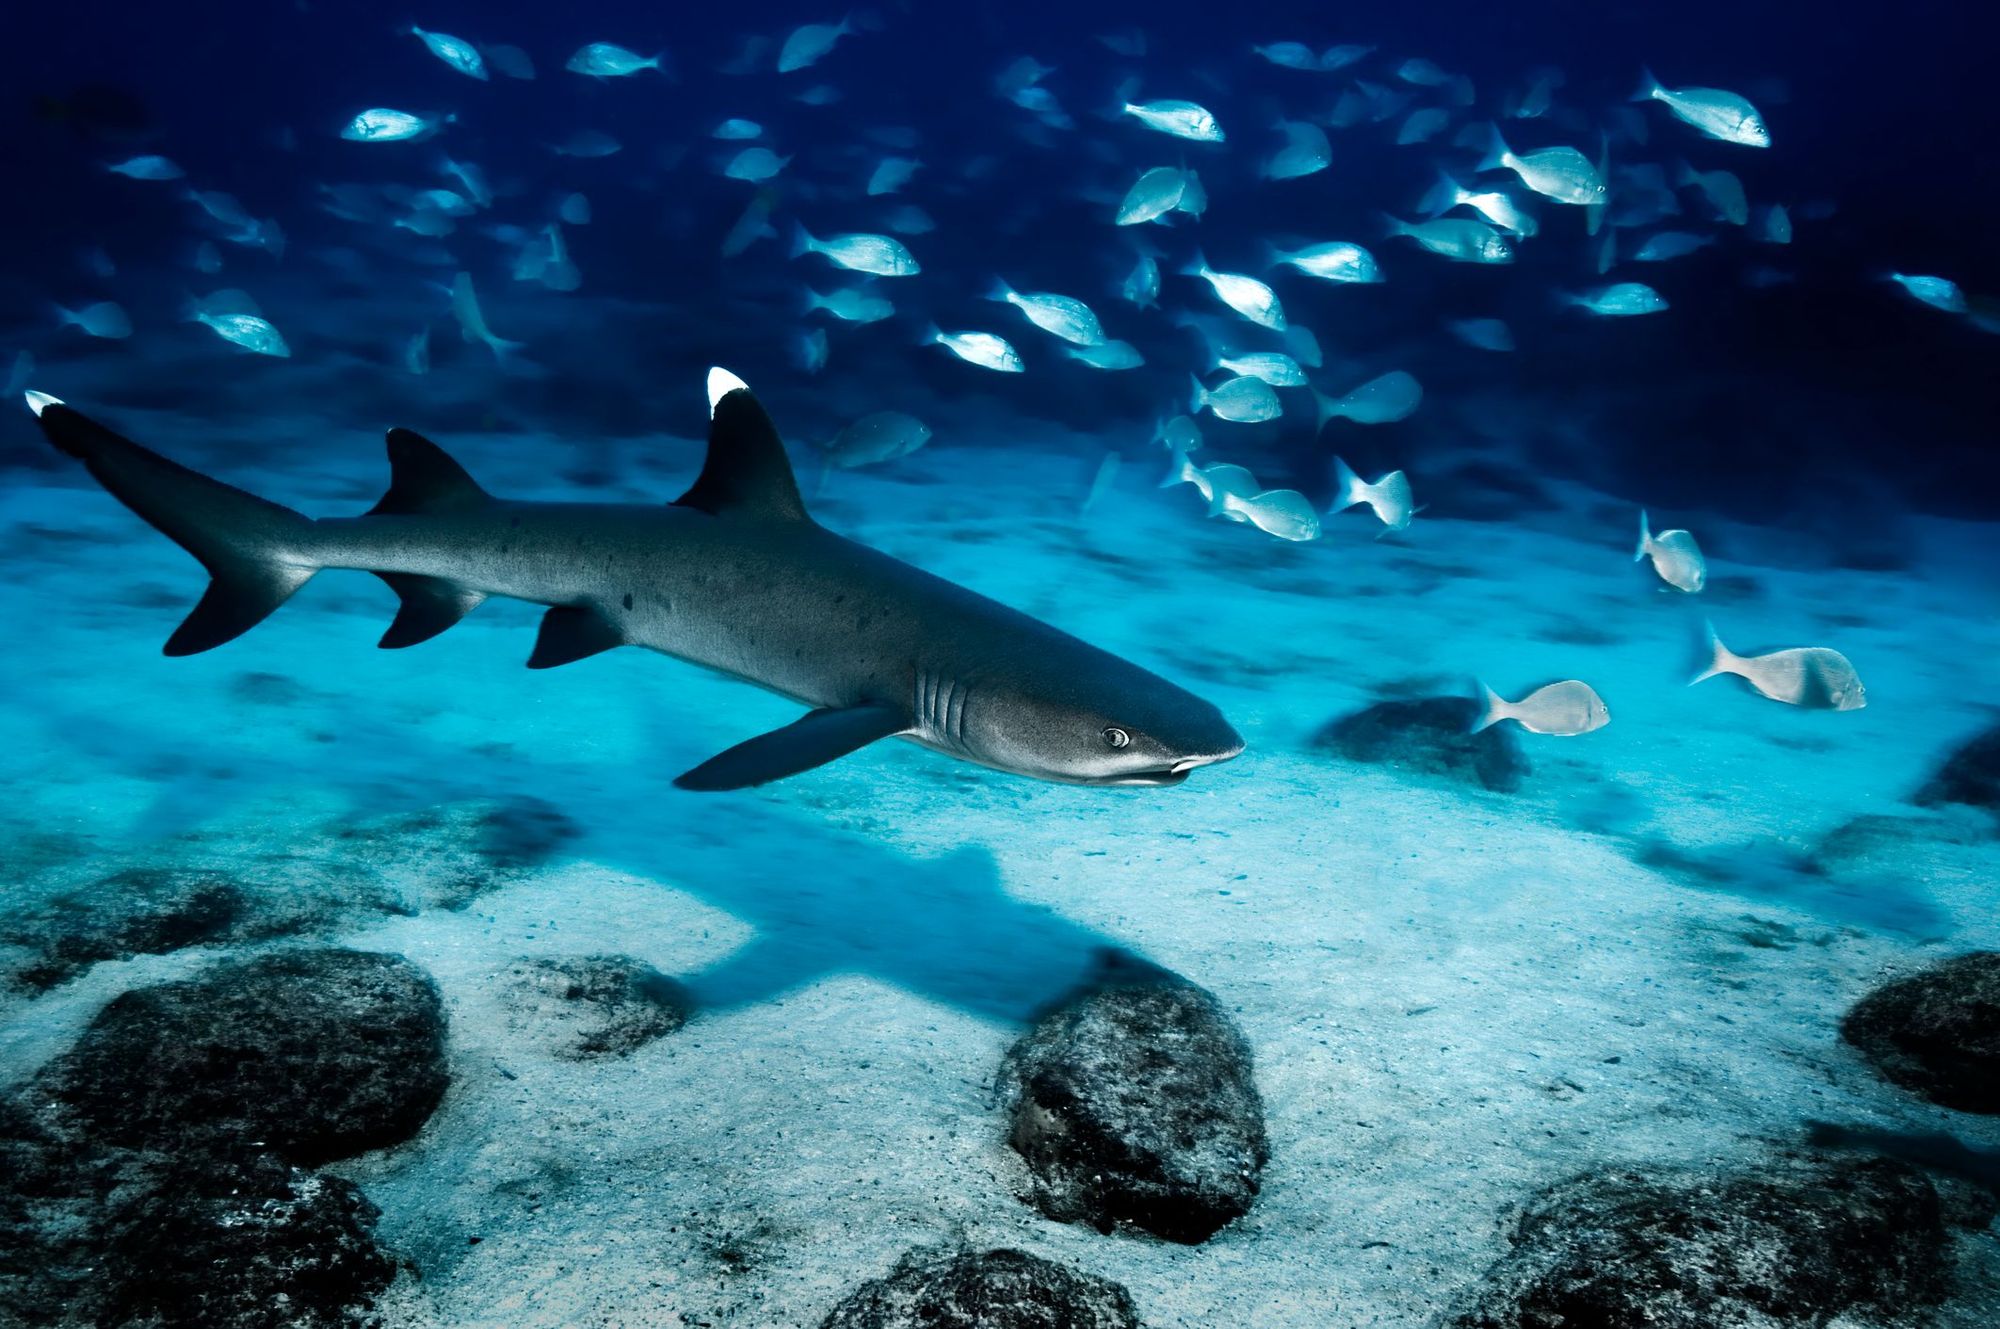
[(734, 575)]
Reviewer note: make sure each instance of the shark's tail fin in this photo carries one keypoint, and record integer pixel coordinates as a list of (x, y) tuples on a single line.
[(256, 552)]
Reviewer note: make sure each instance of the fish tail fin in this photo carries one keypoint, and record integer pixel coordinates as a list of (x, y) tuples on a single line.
[(257, 553), (1645, 536), (66, 317), (1327, 408), (1394, 226), (1346, 486), (1497, 150), (1492, 708), (1713, 657), (1442, 196), (931, 335), (999, 292), (1649, 87), (1197, 395), (802, 241), (1179, 472), (1683, 174), (1196, 266), (811, 301)]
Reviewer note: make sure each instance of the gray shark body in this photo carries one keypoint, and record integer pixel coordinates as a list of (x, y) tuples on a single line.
[(735, 576)]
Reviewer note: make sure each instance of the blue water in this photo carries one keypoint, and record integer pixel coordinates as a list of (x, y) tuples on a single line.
[(1636, 951)]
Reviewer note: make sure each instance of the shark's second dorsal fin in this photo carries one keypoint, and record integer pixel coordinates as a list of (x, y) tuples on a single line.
[(424, 478), (746, 470)]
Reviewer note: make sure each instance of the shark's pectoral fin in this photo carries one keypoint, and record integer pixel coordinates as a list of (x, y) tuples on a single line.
[(569, 634), (430, 605), (814, 739)]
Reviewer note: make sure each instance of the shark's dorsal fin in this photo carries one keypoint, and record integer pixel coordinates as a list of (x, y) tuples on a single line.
[(424, 478), (746, 471)]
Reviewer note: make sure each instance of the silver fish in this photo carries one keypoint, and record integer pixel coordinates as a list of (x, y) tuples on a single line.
[(1563, 174), (877, 254), (1335, 261), (891, 174), (1289, 55), (608, 60), (1246, 295), (1718, 114), (1274, 367), (1107, 355), (1142, 284), (382, 125), (472, 321), (1623, 299), (1306, 152), (1676, 557), (850, 305), (457, 52), (1495, 206), (1285, 513), (1562, 709), (1486, 334), (979, 348), (809, 44), (1457, 238), (103, 319), (1814, 677), (1182, 119), (734, 130), (1661, 246), (1722, 189), (755, 165), (883, 436), (1388, 498), (1937, 292), (246, 330), (1382, 400), (1059, 315), (1155, 194), (149, 167), (1245, 399)]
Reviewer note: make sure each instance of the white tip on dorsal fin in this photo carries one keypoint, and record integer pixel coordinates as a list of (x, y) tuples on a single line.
[(41, 401), (720, 384)]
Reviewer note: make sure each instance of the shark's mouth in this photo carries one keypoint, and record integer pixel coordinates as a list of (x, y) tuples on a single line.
[(1168, 776)]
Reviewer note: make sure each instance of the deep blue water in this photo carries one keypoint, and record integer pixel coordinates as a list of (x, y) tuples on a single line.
[(1467, 967)]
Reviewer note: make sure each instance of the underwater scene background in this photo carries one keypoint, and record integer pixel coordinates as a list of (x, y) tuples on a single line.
[(1331, 364)]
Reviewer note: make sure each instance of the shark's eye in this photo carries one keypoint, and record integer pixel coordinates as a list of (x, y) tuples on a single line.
[(1115, 736)]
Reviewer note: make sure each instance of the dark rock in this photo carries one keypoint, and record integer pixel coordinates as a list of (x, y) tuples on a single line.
[(141, 911), (1970, 775), (1429, 736), (228, 1238), (1000, 1289), (316, 1054), (1793, 1243), (1937, 1033), (454, 854), (597, 1005), (245, 1244), (1133, 1102)]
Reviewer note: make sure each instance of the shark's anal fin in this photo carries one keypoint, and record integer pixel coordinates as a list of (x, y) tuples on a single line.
[(814, 739), (746, 470), (424, 478), (570, 633), (430, 605)]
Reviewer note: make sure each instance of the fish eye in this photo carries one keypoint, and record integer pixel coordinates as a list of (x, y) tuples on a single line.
[(1115, 736)]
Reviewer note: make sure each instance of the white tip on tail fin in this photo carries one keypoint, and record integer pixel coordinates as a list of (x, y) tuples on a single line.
[(1645, 536), (1649, 87), (1196, 266), (1497, 151), (1715, 658), (720, 384), (1492, 708), (41, 401)]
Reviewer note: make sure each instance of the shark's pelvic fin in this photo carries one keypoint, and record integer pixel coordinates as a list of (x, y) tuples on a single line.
[(430, 605), (424, 478), (257, 552), (814, 739), (569, 634), (746, 471)]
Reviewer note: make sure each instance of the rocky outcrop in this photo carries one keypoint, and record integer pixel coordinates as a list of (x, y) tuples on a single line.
[(1937, 1033), (589, 1006), (1789, 1243), (999, 1289), (1429, 736), (1134, 1104)]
